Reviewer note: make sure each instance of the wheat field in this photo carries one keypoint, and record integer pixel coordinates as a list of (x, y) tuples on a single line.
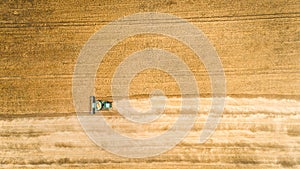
[(258, 45)]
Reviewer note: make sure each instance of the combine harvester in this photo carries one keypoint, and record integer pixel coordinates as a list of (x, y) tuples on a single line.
[(97, 105)]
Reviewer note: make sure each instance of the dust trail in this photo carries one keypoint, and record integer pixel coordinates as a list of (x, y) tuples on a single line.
[(233, 105)]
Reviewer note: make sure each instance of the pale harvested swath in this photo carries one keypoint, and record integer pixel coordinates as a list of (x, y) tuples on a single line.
[(258, 43), (244, 137)]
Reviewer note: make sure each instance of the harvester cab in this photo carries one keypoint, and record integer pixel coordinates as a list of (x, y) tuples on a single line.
[(97, 105)]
